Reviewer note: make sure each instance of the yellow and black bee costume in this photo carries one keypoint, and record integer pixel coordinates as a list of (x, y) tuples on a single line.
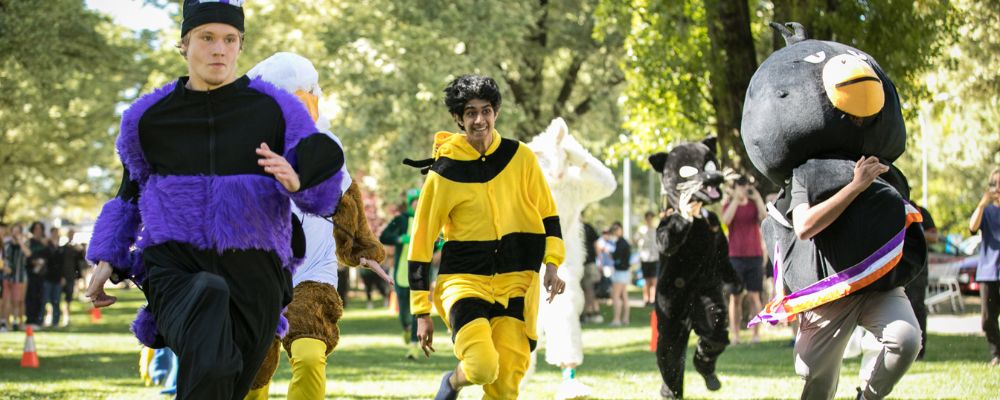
[(500, 225)]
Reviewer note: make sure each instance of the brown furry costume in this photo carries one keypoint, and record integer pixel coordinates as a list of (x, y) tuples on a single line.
[(316, 307)]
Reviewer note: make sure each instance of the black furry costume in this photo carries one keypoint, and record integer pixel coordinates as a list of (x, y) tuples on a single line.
[(694, 255)]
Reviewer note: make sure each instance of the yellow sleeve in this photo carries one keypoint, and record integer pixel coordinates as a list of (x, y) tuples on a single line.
[(538, 188), (428, 220)]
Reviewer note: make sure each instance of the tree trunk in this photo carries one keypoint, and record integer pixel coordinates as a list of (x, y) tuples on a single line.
[(733, 63), (532, 78)]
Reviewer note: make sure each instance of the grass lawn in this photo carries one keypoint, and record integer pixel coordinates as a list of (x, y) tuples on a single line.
[(99, 361)]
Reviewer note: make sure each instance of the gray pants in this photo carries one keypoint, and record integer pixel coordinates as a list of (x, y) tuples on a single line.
[(824, 332)]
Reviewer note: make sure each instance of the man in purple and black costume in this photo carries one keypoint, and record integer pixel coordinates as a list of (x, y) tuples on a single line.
[(210, 162)]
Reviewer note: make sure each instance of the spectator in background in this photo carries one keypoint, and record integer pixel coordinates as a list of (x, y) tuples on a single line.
[(71, 263), (987, 217), (742, 211), (621, 277), (34, 306), (591, 276), (16, 253), (649, 257), (4, 270), (916, 290), (53, 277)]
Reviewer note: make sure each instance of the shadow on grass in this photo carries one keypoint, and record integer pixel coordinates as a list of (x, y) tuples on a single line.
[(102, 366)]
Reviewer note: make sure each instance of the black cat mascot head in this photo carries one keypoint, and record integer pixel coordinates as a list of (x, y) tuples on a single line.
[(818, 99), (690, 168)]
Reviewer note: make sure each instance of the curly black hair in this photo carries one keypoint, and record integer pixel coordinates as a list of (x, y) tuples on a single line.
[(469, 87)]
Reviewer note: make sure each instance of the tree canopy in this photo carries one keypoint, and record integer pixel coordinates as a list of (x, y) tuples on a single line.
[(631, 77), (63, 71)]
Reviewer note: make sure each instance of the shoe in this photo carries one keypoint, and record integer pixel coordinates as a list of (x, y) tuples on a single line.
[(995, 361), (615, 324), (3, 327), (572, 389), (16, 328), (414, 352), (446, 392), (666, 393), (712, 382)]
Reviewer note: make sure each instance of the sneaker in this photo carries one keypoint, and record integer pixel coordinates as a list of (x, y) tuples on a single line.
[(666, 393), (446, 392), (414, 352), (3, 327), (572, 389), (712, 382), (16, 328), (995, 361)]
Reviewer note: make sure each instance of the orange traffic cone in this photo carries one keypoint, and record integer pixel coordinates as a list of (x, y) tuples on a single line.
[(30, 357), (656, 334), (95, 314)]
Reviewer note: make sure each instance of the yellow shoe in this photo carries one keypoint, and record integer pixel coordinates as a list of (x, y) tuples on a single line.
[(414, 352)]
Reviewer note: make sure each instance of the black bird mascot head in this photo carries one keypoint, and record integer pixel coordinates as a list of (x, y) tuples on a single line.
[(818, 99)]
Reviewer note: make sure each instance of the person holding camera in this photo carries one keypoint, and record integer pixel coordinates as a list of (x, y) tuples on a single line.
[(742, 211)]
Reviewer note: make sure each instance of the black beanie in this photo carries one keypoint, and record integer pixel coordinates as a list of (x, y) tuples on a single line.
[(201, 12)]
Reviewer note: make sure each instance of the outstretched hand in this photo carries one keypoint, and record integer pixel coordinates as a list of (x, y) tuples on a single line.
[(866, 170), (689, 209), (95, 291), (278, 166), (553, 284), (425, 334), (374, 266)]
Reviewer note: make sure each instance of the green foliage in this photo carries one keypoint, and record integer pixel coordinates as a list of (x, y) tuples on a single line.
[(63, 69), (667, 74), (389, 62), (670, 62), (959, 120)]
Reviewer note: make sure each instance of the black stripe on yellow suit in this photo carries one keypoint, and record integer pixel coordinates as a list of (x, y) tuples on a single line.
[(467, 310)]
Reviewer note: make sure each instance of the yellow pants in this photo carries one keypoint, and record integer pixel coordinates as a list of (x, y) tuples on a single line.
[(312, 335), (494, 354)]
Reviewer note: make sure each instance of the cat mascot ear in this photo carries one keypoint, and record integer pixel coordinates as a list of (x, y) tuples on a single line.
[(658, 160)]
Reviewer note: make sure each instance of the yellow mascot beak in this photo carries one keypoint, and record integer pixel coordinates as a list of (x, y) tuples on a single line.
[(852, 86), (310, 101)]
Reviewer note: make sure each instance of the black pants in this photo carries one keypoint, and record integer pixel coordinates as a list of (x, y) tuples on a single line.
[(916, 291), (678, 311), (989, 293), (217, 312), (373, 281), (34, 301)]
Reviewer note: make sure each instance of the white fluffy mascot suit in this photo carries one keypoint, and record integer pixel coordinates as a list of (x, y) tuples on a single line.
[(576, 179)]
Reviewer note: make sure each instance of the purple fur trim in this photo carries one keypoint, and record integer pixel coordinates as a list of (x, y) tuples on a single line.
[(114, 232), (129, 148), (144, 327), (233, 212), (282, 329), (321, 199), (294, 265), (138, 272)]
